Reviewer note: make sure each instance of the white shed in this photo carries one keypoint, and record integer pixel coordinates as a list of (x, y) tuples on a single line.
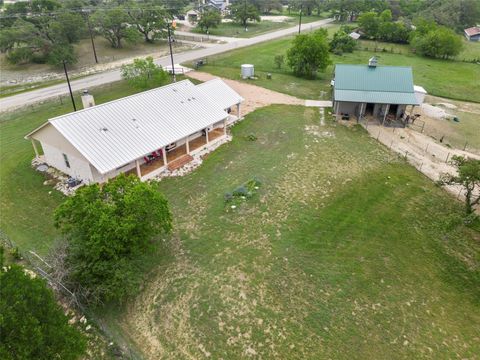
[(420, 93)]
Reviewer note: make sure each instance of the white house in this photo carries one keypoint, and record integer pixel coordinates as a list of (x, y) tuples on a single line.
[(144, 134)]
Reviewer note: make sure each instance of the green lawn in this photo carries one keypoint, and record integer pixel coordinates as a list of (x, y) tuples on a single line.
[(233, 29), (445, 78), (345, 252), (471, 50)]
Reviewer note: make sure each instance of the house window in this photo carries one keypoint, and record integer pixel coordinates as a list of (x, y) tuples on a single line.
[(65, 158)]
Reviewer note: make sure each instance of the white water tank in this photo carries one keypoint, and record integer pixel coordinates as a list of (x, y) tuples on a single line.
[(248, 71)]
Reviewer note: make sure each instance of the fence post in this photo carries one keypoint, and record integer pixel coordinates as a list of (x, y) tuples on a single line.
[(446, 160), (421, 165), (378, 134), (426, 148), (423, 127), (465, 146), (391, 144)]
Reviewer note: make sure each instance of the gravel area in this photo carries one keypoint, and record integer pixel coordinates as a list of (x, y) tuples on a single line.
[(255, 96)]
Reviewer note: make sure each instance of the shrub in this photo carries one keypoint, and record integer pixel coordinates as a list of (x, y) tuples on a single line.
[(279, 60), (228, 196), (241, 191), (21, 55)]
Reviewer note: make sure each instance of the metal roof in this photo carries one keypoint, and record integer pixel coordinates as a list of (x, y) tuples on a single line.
[(220, 93), (375, 84), (113, 134), (376, 97), (472, 31)]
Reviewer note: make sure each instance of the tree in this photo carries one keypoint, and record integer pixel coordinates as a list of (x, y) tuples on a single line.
[(458, 14), (113, 26), (441, 42), (369, 23), (342, 42), (150, 20), (108, 229), (36, 33), (309, 54), (32, 325), (468, 177), (143, 73), (242, 13), (209, 19)]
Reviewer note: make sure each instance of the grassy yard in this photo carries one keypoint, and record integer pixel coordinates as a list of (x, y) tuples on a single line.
[(450, 79), (345, 252), (233, 29), (471, 50)]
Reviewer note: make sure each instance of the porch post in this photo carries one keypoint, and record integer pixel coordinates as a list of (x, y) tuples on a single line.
[(386, 112), (225, 127), (164, 153), (35, 148), (188, 145), (139, 172), (238, 110), (206, 134)]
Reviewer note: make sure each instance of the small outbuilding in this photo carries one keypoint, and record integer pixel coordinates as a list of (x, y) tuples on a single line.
[(144, 134), (371, 91), (354, 35), (473, 33)]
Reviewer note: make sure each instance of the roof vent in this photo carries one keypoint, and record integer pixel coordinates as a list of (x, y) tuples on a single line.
[(104, 129), (372, 62)]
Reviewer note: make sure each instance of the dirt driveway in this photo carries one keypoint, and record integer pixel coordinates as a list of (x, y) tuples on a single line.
[(255, 96)]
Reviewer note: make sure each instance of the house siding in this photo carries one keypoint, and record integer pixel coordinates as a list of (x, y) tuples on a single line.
[(54, 145), (79, 169)]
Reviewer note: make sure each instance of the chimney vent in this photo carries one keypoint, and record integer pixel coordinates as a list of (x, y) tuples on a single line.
[(87, 99), (372, 62)]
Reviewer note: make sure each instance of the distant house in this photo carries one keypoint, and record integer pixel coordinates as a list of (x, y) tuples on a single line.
[(473, 33), (219, 4), (377, 92), (144, 134)]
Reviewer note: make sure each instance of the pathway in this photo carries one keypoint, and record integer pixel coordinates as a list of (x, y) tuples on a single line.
[(255, 96), (23, 99)]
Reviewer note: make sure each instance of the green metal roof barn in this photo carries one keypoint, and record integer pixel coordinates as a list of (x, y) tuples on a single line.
[(379, 91)]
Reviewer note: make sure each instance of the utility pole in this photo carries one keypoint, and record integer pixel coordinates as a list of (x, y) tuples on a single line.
[(91, 37), (69, 87), (245, 14), (300, 19), (171, 53)]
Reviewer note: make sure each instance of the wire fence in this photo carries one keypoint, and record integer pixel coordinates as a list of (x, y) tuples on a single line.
[(428, 157), (42, 268)]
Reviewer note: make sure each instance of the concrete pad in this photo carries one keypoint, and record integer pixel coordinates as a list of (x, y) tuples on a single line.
[(318, 103)]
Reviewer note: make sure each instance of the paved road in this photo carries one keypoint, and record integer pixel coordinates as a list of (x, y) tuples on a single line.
[(16, 101)]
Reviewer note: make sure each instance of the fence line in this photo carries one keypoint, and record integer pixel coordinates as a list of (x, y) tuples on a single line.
[(33, 261)]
